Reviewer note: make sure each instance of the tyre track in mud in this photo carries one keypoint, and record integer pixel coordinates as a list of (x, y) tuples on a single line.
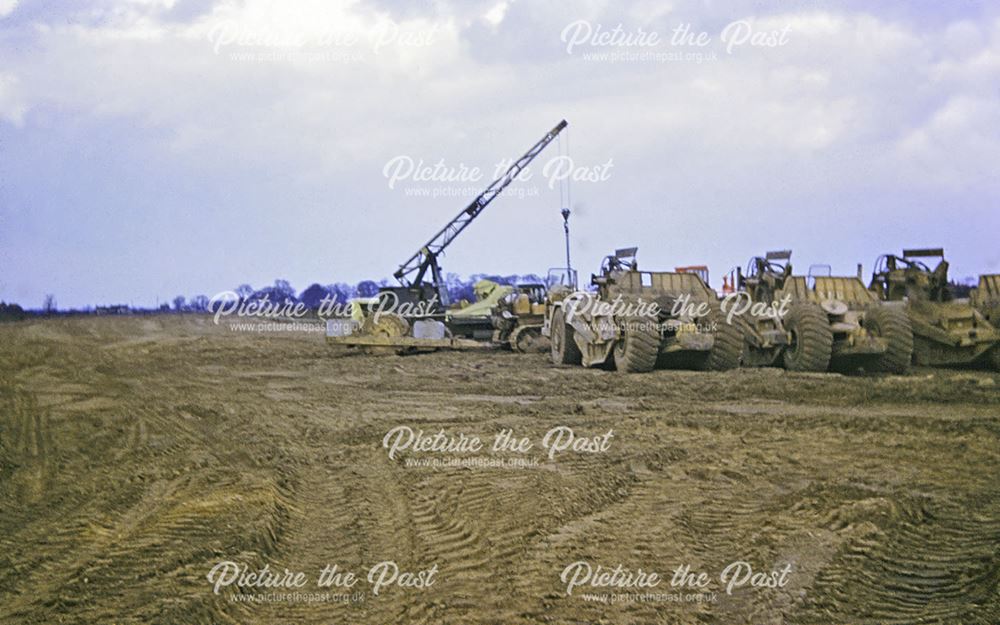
[(939, 565), (168, 456), (159, 507), (144, 522), (470, 522)]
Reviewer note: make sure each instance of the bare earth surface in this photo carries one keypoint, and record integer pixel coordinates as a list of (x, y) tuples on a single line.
[(137, 453)]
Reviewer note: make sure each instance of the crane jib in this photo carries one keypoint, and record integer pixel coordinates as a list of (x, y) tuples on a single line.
[(426, 257)]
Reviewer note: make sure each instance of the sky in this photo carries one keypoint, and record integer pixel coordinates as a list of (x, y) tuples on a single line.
[(150, 148)]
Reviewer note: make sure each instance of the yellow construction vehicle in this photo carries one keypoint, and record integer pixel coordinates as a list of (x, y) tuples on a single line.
[(434, 323)]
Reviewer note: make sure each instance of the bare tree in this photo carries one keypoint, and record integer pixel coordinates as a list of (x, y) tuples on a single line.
[(179, 303), (244, 291), (283, 291), (367, 288), (199, 303), (49, 304)]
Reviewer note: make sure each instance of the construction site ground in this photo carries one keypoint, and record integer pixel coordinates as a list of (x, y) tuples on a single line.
[(137, 453)]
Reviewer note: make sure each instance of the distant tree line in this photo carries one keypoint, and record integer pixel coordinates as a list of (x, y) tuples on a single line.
[(282, 292), (11, 312)]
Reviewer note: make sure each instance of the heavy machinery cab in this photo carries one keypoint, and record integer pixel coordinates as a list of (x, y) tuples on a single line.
[(534, 291), (622, 260), (898, 277), (560, 283), (765, 275), (613, 266), (562, 277)]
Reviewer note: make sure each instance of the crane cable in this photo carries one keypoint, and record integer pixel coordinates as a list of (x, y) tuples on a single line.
[(559, 150), (564, 185), (564, 197), (569, 177)]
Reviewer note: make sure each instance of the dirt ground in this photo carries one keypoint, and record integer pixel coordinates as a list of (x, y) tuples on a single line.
[(137, 453)]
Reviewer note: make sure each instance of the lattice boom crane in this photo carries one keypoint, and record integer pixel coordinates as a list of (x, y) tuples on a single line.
[(413, 272)]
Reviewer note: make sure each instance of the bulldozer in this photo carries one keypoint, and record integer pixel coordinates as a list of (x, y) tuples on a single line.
[(817, 322), (475, 320), (519, 317), (636, 321), (947, 331), (986, 298)]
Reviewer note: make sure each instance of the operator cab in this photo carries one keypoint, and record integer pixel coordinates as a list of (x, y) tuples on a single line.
[(898, 277), (621, 261), (765, 275)]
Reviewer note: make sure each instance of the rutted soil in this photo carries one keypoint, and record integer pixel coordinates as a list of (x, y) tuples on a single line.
[(137, 453)]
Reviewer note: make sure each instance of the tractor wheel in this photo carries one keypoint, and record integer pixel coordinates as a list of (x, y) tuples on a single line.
[(727, 351), (528, 340), (893, 325), (811, 338), (637, 349), (565, 351)]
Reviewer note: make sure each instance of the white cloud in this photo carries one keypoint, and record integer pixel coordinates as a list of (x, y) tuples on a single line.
[(956, 146), (847, 80), (495, 15), (854, 104), (7, 7)]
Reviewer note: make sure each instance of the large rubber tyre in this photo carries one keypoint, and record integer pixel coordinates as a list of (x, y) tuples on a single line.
[(564, 350), (727, 351), (812, 338), (893, 325), (637, 350)]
